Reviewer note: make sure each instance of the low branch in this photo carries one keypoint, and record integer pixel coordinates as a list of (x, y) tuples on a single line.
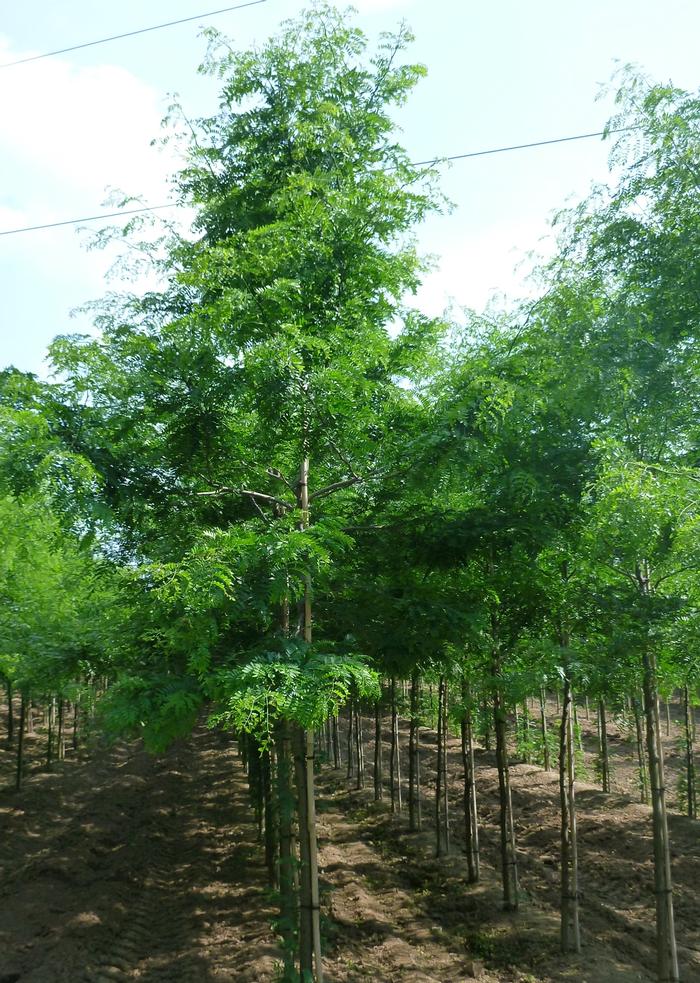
[(674, 573), (620, 572), (256, 496), (336, 486), (274, 473)]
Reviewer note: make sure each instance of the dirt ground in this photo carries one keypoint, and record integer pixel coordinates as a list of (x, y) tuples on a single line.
[(132, 867), (128, 867), (423, 918)]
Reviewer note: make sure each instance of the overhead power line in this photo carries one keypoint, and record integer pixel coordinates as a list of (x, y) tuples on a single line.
[(418, 163), (131, 34), (523, 146)]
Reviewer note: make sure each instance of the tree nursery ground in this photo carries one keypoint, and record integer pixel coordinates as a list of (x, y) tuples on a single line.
[(127, 866)]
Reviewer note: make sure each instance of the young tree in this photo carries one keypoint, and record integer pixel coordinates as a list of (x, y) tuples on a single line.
[(260, 386)]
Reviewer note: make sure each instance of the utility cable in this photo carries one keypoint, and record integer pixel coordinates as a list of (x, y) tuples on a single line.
[(131, 34), (419, 163)]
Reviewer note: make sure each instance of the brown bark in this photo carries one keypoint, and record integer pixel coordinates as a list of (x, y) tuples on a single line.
[(413, 763), (471, 820), (543, 730), (603, 756), (666, 952), (310, 908), (690, 780), (287, 851), (19, 772), (570, 936), (641, 758), (509, 868)]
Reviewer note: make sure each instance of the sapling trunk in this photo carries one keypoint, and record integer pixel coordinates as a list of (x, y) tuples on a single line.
[(667, 706), (270, 817), (76, 718), (287, 852), (306, 942), (378, 757), (359, 748), (442, 839), (603, 757), (50, 734), (543, 730), (526, 732), (577, 730), (445, 786), (486, 724), (570, 935), (471, 822), (641, 758), (413, 786), (309, 897), (10, 712), (666, 951), (690, 780), (509, 869), (19, 772), (350, 735), (395, 760), (60, 734), (335, 736)]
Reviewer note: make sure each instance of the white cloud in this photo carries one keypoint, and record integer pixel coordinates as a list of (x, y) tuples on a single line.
[(472, 269), (66, 133), (81, 127)]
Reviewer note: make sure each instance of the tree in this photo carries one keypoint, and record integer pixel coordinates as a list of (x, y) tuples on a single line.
[(258, 390)]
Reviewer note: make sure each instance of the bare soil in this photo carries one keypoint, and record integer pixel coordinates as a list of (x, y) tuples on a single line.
[(133, 867), (129, 867)]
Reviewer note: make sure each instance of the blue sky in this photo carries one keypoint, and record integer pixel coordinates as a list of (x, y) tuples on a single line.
[(504, 73)]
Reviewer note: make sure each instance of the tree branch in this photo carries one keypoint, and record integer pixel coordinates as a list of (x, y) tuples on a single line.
[(336, 486), (674, 573), (256, 496), (622, 573)]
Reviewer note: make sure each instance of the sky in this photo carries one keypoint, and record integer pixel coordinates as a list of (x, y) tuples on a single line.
[(74, 126)]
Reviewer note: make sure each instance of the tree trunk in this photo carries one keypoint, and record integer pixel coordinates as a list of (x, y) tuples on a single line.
[(486, 721), (10, 713), (19, 773), (641, 759), (306, 942), (445, 786), (378, 757), (471, 821), (310, 908), (690, 780), (395, 760), (570, 932), (666, 952), (543, 730), (76, 717), (442, 837), (287, 852), (603, 757), (349, 748), (413, 764), (270, 817), (335, 737), (60, 731), (526, 733), (50, 733), (509, 868), (359, 747)]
